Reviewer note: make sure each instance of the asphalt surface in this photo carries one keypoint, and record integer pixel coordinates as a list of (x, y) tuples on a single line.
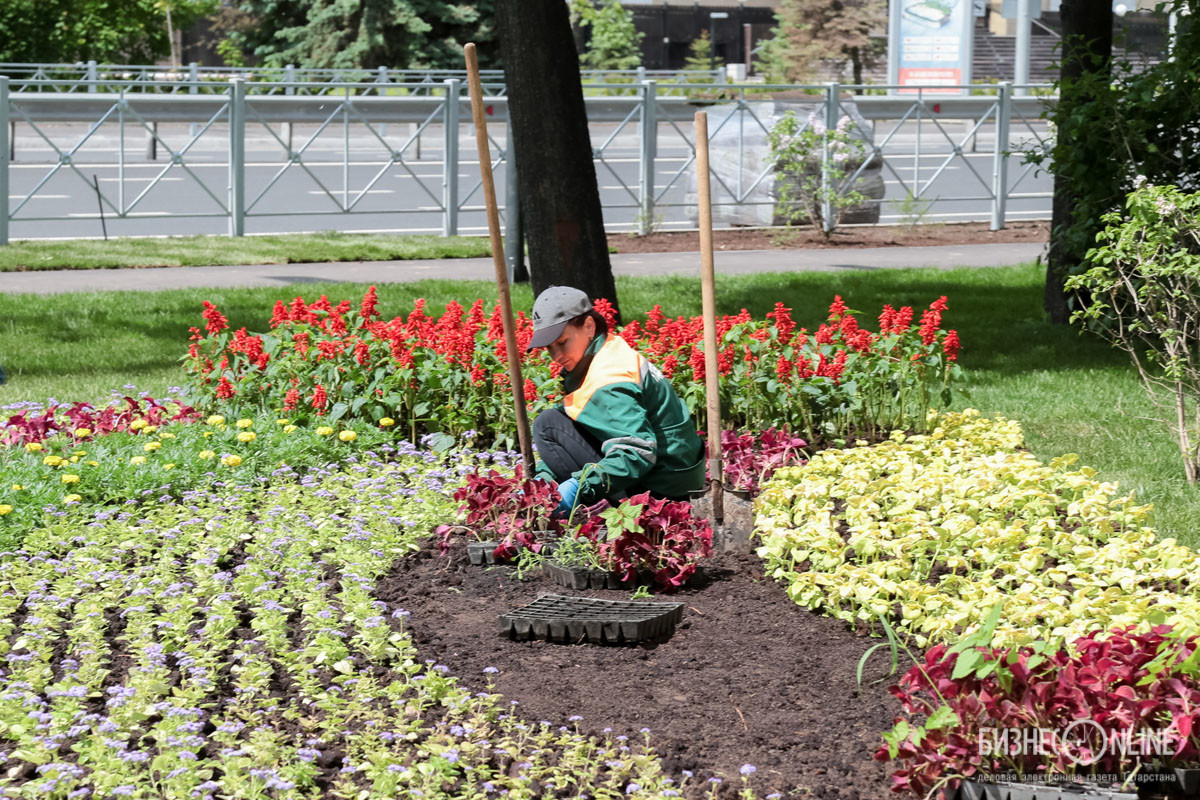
[(728, 262)]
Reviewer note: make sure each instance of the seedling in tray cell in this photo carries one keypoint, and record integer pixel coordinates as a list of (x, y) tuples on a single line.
[(652, 540), (507, 512)]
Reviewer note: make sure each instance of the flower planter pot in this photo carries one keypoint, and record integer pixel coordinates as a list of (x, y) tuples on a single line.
[(483, 553), (1187, 782), (573, 620)]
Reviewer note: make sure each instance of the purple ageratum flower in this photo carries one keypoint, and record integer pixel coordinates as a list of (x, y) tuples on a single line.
[(633, 787), (574, 718), (747, 770), (124, 791), (490, 671)]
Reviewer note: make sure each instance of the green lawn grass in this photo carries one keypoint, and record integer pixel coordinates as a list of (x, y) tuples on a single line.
[(1072, 393), (188, 251)]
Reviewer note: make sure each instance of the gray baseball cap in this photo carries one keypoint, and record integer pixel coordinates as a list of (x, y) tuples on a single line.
[(552, 310)]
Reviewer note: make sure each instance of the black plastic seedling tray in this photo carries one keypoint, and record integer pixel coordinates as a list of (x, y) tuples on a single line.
[(482, 553), (558, 618)]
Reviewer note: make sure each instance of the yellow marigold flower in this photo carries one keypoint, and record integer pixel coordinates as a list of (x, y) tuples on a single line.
[(166, 435), (289, 428), (74, 459), (247, 436), (206, 454), (207, 434), (72, 498), (83, 433), (93, 463), (5, 508), (232, 461), (168, 466), (70, 478), (137, 460), (347, 436), (150, 429), (215, 419), (33, 447), (138, 424), (387, 422), (245, 423), (150, 447), (52, 461), (324, 430), (283, 422), (80, 453), (17, 487)]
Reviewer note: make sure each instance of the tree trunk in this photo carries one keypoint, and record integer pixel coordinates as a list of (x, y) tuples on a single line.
[(560, 199), (1086, 49)]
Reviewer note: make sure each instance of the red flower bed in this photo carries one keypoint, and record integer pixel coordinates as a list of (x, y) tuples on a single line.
[(448, 373)]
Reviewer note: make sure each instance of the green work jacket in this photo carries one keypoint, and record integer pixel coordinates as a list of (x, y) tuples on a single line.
[(648, 439)]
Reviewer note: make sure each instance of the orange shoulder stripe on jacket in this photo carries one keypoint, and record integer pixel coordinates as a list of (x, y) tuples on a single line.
[(616, 362)]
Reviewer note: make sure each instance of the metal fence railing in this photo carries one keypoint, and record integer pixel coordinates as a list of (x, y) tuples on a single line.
[(196, 79), (240, 159)]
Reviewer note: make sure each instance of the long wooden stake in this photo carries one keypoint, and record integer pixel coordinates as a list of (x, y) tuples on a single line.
[(493, 218), (709, 300)]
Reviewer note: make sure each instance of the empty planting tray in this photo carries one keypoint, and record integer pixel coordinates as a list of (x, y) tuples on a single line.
[(558, 618)]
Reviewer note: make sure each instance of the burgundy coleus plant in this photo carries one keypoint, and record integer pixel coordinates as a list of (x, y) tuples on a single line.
[(645, 533), (23, 428), (750, 459), (1117, 704), (508, 508)]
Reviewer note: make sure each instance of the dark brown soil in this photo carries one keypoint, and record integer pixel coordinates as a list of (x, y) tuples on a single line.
[(748, 678), (845, 236)]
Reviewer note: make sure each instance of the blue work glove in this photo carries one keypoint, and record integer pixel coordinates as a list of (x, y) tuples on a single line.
[(568, 489)]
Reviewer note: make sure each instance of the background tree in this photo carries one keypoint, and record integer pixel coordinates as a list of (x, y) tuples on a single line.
[(700, 54), (614, 42), (829, 33), (1117, 125), (64, 31), (560, 199), (402, 34)]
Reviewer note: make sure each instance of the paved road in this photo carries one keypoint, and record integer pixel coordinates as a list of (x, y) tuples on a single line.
[(730, 262)]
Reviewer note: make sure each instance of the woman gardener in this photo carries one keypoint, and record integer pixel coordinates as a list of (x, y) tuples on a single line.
[(620, 429)]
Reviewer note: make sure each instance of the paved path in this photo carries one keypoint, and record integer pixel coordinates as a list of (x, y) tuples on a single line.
[(729, 262)]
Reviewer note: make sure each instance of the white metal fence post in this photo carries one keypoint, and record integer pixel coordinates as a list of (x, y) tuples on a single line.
[(450, 159), (828, 182), (91, 76), (649, 131), (3, 160), (237, 157), (289, 79), (193, 88), (1000, 156)]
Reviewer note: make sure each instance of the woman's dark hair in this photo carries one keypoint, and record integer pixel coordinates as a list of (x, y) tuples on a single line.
[(601, 325)]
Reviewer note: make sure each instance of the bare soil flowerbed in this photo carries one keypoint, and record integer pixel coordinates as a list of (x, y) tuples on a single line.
[(804, 238), (748, 678)]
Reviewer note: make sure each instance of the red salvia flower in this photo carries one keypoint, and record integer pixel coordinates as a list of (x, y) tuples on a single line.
[(530, 391), (606, 310), (319, 399), (887, 318), (291, 399), (838, 308), (215, 319), (362, 353), (783, 368), (367, 310), (783, 321), (902, 320), (951, 344), (696, 360), (225, 389), (301, 342)]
